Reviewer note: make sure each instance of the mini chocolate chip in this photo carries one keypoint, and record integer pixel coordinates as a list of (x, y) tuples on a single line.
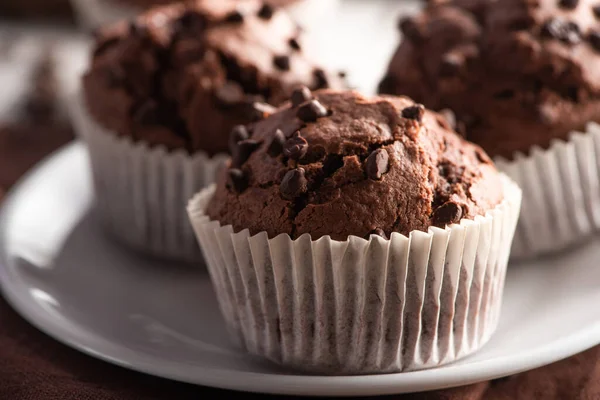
[(569, 4), (293, 184), (560, 29), (243, 150), (235, 17), (447, 214), (266, 11), (594, 39), (377, 232), (282, 62), (377, 164), (311, 111), (415, 112), (230, 93), (236, 180), (146, 113), (410, 29), (295, 147), (191, 21), (294, 44), (238, 133), (260, 111), (342, 74), (451, 64), (596, 10), (276, 146), (320, 78), (301, 95)]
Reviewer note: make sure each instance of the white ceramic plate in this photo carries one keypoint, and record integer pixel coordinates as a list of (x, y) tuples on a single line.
[(62, 274)]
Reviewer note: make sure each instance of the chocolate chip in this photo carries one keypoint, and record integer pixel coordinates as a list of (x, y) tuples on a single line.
[(238, 133), (594, 39), (596, 10), (569, 4), (230, 93), (266, 11), (301, 95), (294, 183), (276, 146), (415, 112), (311, 111), (320, 76), (447, 214), (282, 62), (235, 17), (560, 29), (377, 164), (146, 113), (191, 21), (377, 232), (410, 29), (260, 111), (342, 74), (451, 64), (236, 180), (294, 44), (243, 150), (295, 147)]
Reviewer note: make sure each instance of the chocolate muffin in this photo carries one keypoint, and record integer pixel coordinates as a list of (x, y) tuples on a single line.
[(517, 73), (357, 235), (340, 164), (183, 75)]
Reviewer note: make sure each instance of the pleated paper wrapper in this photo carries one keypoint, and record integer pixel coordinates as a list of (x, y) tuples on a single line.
[(361, 306), (561, 193), (141, 192)]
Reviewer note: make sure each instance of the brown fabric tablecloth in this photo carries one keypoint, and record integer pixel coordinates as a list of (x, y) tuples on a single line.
[(34, 366)]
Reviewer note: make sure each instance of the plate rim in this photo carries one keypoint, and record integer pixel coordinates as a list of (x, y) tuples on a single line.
[(259, 382)]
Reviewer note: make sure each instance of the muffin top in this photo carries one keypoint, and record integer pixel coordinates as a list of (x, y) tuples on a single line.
[(338, 163), (183, 75), (517, 73)]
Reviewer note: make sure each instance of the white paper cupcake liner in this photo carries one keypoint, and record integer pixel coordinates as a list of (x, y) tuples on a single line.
[(141, 192), (361, 306), (561, 193)]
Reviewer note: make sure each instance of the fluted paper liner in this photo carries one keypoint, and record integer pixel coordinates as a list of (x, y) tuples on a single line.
[(561, 193), (141, 191), (361, 306)]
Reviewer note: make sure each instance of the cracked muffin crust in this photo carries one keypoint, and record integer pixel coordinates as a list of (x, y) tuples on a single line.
[(338, 163), (517, 73), (183, 75)]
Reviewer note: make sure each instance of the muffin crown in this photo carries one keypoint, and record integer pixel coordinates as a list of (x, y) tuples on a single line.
[(339, 163), (182, 75), (493, 61)]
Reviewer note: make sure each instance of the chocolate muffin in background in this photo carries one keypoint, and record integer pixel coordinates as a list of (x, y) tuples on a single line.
[(283, 232), (161, 96), (340, 164), (522, 78), (184, 75), (517, 73)]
